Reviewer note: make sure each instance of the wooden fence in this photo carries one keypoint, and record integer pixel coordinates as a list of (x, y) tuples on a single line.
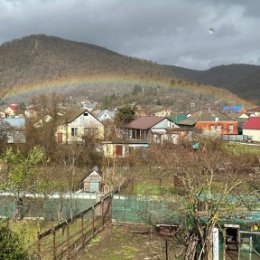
[(64, 240)]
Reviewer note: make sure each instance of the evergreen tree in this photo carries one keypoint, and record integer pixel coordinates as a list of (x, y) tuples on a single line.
[(125, 114)]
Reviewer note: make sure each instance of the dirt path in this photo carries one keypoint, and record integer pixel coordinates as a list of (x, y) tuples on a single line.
[(124, 243)]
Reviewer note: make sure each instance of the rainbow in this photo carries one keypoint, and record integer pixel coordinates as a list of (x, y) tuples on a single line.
[(61, 83), (78, 81)]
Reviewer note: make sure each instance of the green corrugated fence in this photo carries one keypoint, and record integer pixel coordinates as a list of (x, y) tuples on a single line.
[(141, 209), (52, 207)]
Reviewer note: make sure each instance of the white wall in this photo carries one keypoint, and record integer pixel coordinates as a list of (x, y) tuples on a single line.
[(255, 134)]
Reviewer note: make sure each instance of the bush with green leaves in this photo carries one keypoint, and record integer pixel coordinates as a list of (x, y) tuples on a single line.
[(11, 246)]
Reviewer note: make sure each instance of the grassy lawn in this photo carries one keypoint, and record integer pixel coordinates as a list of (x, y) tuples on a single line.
[(124, 243), (147, 189), (237, 148)]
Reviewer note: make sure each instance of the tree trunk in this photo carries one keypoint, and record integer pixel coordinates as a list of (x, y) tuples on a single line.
[(19, 209)]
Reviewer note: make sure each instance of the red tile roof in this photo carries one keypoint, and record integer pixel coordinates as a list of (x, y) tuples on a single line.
[(252, 123), (143, 122), (13, 107)]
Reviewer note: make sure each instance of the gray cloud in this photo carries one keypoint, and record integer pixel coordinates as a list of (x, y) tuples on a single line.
[(174, 32)]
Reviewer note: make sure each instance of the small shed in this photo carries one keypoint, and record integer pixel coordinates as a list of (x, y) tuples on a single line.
[(93, 182)]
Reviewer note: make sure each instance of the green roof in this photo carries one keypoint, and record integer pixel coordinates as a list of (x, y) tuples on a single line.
[(176, 119)]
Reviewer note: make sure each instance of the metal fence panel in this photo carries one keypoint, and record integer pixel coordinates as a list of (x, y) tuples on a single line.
[(143, 209), (47, 207)]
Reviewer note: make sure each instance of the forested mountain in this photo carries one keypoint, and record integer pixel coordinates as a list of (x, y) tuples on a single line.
[(241, 79), (39, 58)]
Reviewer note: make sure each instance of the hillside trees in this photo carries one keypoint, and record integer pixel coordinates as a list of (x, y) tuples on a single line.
[(137, 90)]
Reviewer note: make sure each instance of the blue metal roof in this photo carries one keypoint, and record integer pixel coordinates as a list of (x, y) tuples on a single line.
[(235, 109), (15, 122)]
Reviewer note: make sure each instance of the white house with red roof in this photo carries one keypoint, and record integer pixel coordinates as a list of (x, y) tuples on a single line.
[(252, 128), (11, 110)]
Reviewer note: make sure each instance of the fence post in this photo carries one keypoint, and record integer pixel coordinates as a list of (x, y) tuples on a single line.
[(54, 244), (111, 207), (38, 246), (93, 221), (102, 212), (166, 250), (82, 230), (68, 243)]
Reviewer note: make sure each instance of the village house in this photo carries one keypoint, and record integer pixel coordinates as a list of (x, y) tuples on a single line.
[(211, 121), (11, 110), (12, 130), (88, 105), (105, 115), (252, 128), (148, 128), (30, 112), (82, 126), (241, 118), (254, 111), (122, 148), (47, 119), (177, 118), (234, 109)]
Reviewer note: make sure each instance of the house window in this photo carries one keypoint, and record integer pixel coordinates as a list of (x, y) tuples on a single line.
[(212, 127), (85, 114), (219, 128), (231, 128), (74, 131)]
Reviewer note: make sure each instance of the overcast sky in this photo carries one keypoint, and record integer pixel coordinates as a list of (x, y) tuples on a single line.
[(194, 34)]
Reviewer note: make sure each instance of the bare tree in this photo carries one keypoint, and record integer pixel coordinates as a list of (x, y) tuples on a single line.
[(205, 181)]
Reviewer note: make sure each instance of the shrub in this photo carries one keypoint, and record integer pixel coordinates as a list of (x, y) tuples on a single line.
[(11, 247)]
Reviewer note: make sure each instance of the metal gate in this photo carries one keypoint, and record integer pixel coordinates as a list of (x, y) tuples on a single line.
[(249, 245)]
